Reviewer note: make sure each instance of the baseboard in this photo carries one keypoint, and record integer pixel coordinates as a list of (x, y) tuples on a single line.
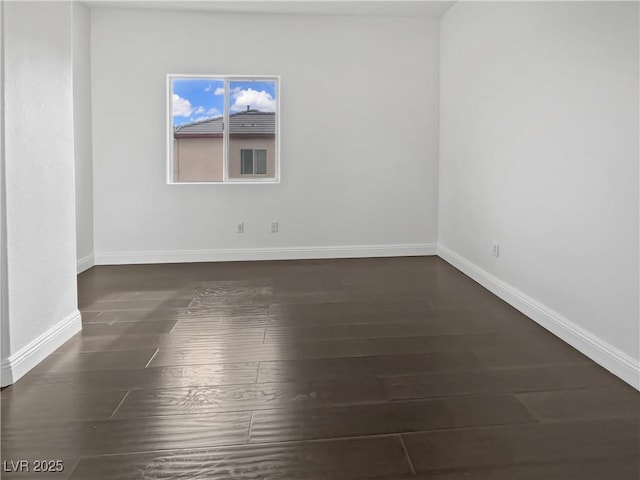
[(85, 263), (278, 253), (32, 354), (601, 352)]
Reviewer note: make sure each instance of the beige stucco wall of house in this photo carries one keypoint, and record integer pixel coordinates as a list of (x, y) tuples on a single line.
[(197, 160), (200, 159)]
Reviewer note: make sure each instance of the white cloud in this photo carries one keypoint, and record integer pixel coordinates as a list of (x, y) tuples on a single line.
[(199, 110), (214, 112), (181, 106), (262, 101), (200, 119), (219, 91)]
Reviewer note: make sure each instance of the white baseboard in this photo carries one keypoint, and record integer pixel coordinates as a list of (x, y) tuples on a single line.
[(601, 352), (32, 354), (277, 253), (85, 263)]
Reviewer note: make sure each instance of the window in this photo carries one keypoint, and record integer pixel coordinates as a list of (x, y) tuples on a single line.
[(254, 162), (223, 129)]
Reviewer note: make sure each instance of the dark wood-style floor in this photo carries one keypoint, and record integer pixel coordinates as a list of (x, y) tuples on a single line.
[(304, 370)]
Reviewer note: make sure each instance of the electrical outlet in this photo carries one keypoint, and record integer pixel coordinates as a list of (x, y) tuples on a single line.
[(495, 249), (274, 227), (240, 228)]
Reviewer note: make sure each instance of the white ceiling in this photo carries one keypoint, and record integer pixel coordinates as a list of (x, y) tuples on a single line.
[(396, 8)]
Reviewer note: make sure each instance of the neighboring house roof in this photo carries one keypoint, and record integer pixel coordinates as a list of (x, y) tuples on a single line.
[(250, 122)]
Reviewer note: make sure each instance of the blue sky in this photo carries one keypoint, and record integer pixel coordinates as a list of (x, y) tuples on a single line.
[(195, 99)]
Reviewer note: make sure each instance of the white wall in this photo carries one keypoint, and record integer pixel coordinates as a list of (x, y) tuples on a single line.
[(81, 38), (359, 136), (40, 204), (4, 281), (539, 151)]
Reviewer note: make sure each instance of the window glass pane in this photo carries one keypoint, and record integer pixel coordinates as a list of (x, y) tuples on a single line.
[(261, 162), (252, 108), (197, 121), (247, 162)]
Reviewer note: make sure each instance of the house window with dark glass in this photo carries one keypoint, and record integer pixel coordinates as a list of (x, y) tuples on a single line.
[(254, 161)]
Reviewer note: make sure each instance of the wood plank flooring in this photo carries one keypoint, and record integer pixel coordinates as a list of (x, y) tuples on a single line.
[(388, 369)]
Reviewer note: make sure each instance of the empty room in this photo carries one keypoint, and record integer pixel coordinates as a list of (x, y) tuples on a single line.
[(309, 240)]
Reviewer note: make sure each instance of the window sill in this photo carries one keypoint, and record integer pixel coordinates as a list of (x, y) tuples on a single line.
[(230, 182)]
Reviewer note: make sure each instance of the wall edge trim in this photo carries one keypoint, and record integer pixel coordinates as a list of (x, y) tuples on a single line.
[(276, 253), (85, 263), (606, 355), (21, 362)]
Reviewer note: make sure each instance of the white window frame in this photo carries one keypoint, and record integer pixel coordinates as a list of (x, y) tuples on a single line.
[(248, 179)]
